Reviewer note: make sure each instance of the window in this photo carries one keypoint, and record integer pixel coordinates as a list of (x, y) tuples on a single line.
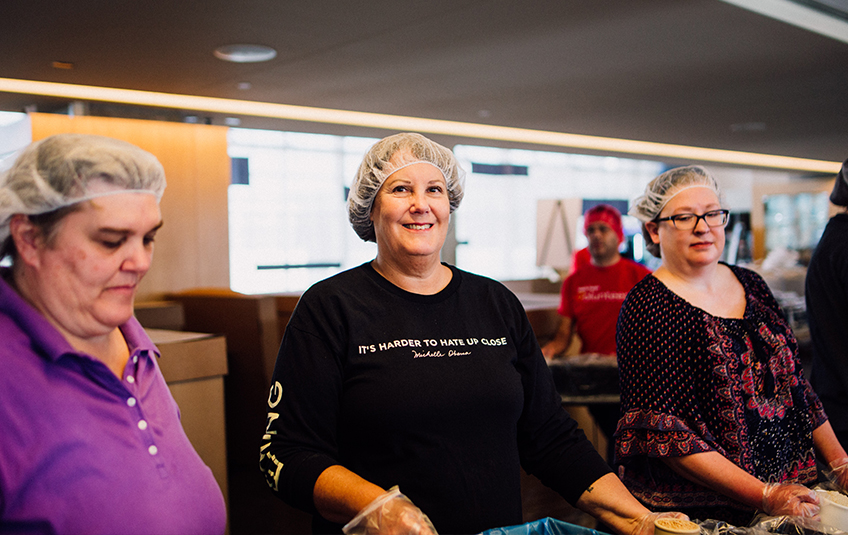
[(795, 222), (496, 225), (288, 218), (288, 223)]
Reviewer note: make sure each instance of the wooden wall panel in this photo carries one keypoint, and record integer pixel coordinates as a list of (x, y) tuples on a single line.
[(192, 248)]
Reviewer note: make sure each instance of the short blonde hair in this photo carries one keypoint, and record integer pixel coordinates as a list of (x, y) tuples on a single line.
[(379, 163)]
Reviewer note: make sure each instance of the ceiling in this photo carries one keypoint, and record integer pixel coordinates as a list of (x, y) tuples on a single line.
[(692, 72)]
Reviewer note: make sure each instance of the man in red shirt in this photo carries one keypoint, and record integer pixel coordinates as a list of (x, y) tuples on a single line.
[(591, 299)]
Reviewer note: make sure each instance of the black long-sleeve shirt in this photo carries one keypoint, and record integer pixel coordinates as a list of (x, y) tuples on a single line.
[(445, 395), (827, 311)]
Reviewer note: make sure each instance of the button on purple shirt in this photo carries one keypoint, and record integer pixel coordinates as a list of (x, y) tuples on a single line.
[(82, 451)]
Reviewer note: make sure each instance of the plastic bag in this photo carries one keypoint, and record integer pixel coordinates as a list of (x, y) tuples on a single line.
[(833, 510), (765, 525), (837, 476), (544, 526), (795, 525)]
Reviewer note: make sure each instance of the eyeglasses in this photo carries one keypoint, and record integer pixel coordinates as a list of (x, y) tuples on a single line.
[(715, 218)]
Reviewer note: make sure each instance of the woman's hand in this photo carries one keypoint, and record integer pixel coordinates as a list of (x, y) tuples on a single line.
[(391, 513), (830, 451), (838, 474), (789, 499)]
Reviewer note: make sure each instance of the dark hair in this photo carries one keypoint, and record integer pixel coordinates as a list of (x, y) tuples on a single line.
[(46, 223)]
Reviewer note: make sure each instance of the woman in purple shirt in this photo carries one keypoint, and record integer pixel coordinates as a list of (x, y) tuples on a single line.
[(91, 440)]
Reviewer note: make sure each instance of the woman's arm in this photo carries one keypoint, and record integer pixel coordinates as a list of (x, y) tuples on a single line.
[(713, 470), (340, 494), (608, 500), (827, 445), (833, 454)]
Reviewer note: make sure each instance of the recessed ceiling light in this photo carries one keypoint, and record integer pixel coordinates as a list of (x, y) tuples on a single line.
[(244, 86), (245, 53)]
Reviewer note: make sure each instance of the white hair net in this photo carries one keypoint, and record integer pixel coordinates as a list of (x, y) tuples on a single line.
[(65, 169), (661, 189), (389, 155)]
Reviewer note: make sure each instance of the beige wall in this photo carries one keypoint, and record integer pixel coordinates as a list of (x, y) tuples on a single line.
[(192, 248)]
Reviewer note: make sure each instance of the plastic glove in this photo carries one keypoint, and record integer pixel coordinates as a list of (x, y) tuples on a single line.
[(391, 513), (645, 523), (789, 499), (838, 475)]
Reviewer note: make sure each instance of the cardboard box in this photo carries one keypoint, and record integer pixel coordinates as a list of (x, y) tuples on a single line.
[(250, 325), (194, 366), (160, 315)]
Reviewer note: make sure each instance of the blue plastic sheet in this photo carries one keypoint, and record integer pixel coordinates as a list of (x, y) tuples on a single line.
[(545, 526)]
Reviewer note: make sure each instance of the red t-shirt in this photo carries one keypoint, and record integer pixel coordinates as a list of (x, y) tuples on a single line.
[(592, 298)]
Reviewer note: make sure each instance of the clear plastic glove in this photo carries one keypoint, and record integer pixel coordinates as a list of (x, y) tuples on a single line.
[(391, 513), (789, 499), (837, 474), (645, 523)]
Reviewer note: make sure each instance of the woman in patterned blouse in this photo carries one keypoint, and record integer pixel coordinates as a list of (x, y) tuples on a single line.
[(718, 420)]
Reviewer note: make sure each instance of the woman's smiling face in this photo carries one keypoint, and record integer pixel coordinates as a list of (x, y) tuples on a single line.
[(411, 213)]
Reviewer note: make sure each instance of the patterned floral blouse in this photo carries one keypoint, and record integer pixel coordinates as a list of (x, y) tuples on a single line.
[(692, 382)]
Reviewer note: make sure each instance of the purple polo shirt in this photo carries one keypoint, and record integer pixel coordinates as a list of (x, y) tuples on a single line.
[(82, 451)]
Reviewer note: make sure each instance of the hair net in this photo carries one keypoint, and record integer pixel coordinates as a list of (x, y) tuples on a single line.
[(661, 189), (605, 214), (379, 163), (65, 169)]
